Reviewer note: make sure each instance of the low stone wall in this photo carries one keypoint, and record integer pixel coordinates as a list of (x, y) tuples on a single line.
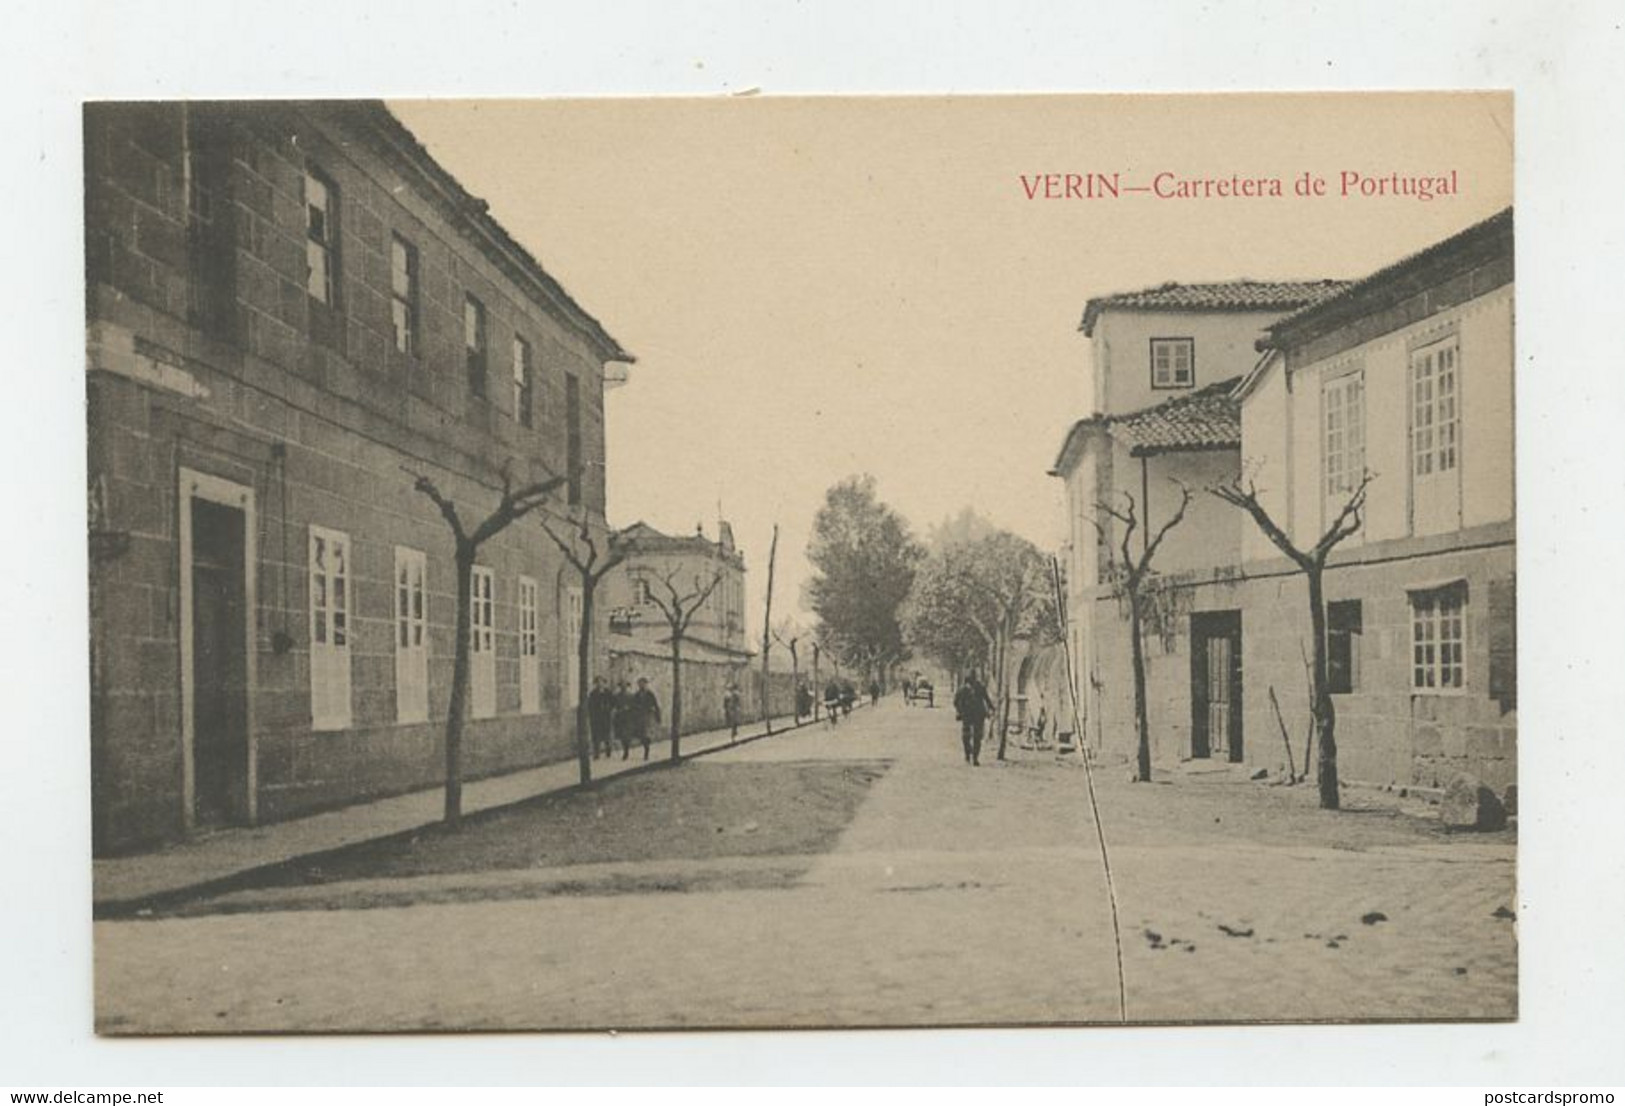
[(705, 683)]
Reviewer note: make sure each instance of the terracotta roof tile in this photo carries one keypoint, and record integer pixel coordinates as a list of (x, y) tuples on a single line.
[(1226, 295), (1205, 419)]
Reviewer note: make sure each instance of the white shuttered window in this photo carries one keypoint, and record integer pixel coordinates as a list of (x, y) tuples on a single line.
[(411, 636), (482, 646), (330, 629)]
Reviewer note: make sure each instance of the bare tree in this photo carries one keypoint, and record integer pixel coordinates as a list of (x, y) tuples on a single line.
[(1312, 562), (678, 607), (787, 635), (515, 504), (1134, 572), (591, 564)]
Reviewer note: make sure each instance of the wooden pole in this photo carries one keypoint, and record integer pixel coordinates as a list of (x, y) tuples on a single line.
[(767, 633)]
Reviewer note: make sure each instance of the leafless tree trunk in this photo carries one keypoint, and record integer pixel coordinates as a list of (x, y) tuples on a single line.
[(679, 608), (591, 565), (1136, 572), (1312, 562), (515, 504)]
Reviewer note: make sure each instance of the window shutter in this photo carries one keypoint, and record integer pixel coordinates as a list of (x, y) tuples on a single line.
[(1503, 635)]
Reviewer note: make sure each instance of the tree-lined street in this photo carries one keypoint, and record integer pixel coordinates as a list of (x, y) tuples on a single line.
[(860, 875)]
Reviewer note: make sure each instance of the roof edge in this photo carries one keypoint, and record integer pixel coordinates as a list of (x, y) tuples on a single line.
[(400, 140), (1354, 300)]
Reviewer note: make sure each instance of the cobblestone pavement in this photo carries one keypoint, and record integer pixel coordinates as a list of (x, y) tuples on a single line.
[(954, 896)]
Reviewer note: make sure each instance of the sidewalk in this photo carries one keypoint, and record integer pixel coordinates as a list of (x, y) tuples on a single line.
[(121, 883)]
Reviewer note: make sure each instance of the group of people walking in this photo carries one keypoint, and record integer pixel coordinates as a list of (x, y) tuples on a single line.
[(621, 715), (626, 717)]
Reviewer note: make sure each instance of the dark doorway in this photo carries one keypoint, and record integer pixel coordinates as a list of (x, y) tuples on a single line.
[(219, 667), (1216, 685)]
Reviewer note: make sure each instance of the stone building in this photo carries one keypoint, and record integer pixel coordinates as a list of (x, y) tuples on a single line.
[(1165, 361), (715, 653), (660, 562), (1405, 374), (292, 312)]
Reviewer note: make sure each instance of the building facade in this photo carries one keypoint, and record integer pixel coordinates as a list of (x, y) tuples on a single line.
[(660, 564), (1405, 375), (293, 313), (1165, 361), (715, 657)]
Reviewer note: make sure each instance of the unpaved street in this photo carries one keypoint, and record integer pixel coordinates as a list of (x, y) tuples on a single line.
[(902, 888)]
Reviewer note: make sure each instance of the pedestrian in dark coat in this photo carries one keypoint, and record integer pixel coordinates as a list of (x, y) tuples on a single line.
[(874, 693), (645, 713), (832, 702), (621, 714), (601, 717), (730, 709), (972, 707)]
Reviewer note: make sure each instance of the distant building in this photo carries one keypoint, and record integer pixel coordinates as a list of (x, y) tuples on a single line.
[(715, 655), (1406, 374), (661, 563), (293, 310)]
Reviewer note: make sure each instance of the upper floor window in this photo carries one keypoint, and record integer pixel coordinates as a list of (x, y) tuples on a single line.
[(474, 343), (523, 386), (1343, 433), (1173, 362), (321, 239), (1434, 411), (403, 293), (572, 435)]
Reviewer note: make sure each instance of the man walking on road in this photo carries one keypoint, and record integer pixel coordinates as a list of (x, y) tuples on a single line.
[(645, 713), (971, 707), (730, 709)]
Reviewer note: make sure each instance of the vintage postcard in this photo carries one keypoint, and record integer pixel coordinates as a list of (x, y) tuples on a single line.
[(766, 562)]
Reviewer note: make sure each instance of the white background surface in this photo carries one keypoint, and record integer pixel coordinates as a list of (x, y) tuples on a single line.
[(1562, 60)]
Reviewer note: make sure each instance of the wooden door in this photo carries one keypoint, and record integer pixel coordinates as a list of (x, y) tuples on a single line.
[(1216, 728), (219, 666)]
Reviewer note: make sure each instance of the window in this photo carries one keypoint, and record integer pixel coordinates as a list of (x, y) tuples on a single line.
[(530, 698), (474, 344), (321, 239), (411, 637), (1173, 362), (1343, 440), (330, 630), (1343, 628), (1434, 426), (522, 385), (1438, 635), (482, 645), (572, 431), (403, 293)]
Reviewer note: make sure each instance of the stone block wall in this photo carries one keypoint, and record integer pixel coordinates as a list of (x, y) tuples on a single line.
[(1387, 733), (326, 425)]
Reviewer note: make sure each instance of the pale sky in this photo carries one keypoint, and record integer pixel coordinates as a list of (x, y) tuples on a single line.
[(817, 287)]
